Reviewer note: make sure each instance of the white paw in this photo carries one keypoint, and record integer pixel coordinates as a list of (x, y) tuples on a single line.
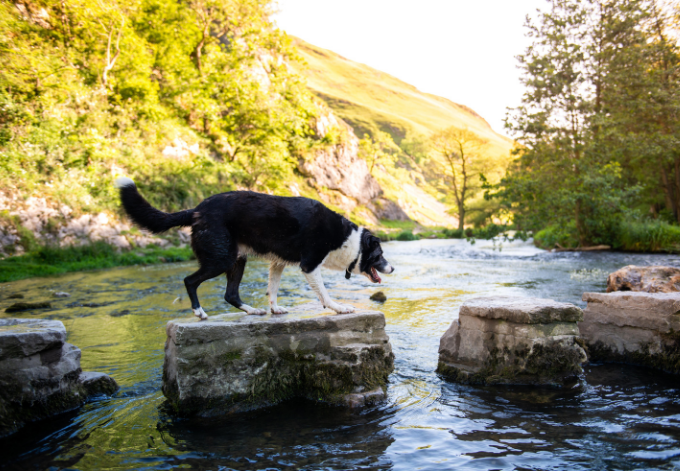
[(340, 308), (279, 310), (255, 312), (200, 313)]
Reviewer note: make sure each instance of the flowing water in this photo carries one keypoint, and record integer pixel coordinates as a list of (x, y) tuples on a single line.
[(625, 418)]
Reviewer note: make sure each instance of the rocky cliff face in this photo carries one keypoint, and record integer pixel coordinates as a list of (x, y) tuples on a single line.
[(342, 177)]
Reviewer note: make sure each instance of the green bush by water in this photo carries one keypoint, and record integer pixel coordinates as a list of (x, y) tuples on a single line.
[(407, 235), (631, 236), (648, 236)]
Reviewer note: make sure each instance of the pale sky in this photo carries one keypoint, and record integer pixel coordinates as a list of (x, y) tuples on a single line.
[(460, 49)]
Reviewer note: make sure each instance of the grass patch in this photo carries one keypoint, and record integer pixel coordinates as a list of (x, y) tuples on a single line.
[(404, 225), (50, 261)]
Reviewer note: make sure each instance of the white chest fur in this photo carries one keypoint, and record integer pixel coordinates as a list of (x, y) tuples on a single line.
[(341, 258)]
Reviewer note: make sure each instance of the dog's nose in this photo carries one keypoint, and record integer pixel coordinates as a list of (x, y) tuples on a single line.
[(391, 269)]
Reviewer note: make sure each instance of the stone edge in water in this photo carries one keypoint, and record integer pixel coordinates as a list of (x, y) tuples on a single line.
[(540, 367)]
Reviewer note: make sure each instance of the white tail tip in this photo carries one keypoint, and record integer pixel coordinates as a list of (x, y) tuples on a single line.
[(123, 182)]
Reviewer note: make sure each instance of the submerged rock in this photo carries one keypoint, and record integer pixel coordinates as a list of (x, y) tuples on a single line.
[(379, 297), (18, 307), (655, 279), (236, 362), (40, 374), (633, 327), (509, 340)]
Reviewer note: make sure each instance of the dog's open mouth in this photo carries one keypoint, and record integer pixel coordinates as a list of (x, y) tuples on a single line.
[(375, 278)]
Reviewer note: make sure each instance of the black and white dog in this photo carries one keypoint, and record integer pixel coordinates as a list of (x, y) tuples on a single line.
[(227, 228)]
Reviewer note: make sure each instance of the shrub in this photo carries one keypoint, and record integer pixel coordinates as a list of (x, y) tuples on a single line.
[(407, 235), (565, 236), (648, 236), (454, 233)]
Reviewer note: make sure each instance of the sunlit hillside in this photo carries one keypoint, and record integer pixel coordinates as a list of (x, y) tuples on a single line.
[(369, 99), (364, 96)]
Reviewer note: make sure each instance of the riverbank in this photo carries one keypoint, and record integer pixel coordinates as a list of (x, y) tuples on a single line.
[(50, 261)]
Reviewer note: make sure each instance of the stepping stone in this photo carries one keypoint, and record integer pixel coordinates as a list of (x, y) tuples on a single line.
[(637, 328), (236, 362), (513, 341), (40, 374)]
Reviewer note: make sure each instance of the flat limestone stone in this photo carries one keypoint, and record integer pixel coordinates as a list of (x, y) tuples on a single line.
[(236, 362), (521, 310), (633, 327), (654, 311), (495, 342), (24, 337)]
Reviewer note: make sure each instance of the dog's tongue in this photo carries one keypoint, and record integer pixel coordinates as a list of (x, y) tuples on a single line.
[(375, 275)]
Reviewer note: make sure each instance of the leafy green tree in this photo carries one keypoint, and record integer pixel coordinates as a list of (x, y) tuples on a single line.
[(595, 123), (416, 146), (378, 148), (462, 154), (89, 88)]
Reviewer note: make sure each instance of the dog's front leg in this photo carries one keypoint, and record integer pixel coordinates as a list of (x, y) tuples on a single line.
[(275, 271), (316, 282)]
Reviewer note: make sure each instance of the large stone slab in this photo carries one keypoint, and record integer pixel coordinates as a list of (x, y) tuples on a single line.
[(521, 310), (512, 340), (654, 279), (40, 373), (633, 327), (237, 362)]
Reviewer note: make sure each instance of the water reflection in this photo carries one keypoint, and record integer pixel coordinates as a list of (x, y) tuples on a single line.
[(298, 434), (626, 418)]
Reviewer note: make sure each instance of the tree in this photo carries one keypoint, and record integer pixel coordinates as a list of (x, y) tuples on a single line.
[(596, 117), (462, 153), (377, 148)]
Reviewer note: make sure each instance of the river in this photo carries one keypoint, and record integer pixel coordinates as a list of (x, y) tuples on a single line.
[(625, 418)]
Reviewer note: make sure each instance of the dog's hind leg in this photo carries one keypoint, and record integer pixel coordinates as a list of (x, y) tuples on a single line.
[(316, 283), (233, 281), (193, 281), (275, 271)]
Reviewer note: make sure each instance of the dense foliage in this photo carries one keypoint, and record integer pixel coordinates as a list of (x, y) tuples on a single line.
[(191, 97), (598, 128)]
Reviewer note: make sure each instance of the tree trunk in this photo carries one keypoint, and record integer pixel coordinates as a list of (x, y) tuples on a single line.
[(461, 217), (669, 194), (198, 50), (579, 225), (676, 200)]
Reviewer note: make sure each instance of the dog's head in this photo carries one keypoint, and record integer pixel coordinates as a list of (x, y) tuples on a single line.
[(372, 260)]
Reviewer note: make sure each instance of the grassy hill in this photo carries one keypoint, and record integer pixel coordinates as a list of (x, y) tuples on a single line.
[(369, 99), (366, 97)]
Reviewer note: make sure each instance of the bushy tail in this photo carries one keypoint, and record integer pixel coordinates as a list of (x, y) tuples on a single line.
[(145, 215)]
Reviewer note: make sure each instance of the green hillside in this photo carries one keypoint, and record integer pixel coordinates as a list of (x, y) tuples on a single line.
[(366, 97)]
